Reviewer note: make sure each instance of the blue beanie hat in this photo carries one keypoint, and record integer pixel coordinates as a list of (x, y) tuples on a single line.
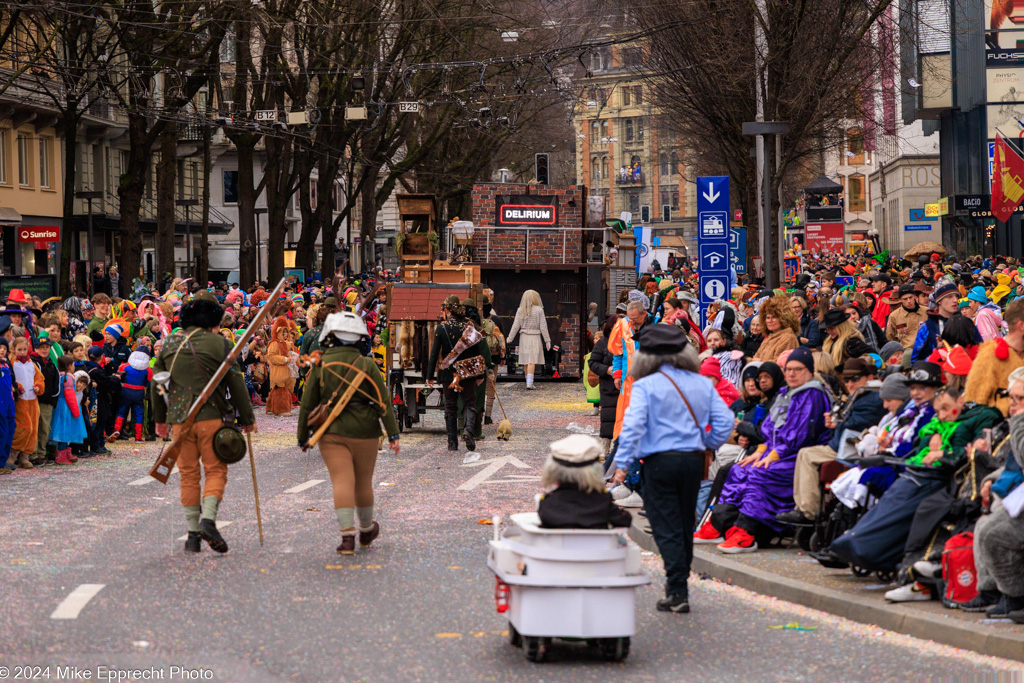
[(978, 294), (802, 355), (114, 330)]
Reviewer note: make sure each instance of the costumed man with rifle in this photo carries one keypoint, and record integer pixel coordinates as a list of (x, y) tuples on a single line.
[(199, 389)]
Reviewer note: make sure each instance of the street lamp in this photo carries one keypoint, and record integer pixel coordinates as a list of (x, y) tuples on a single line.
[(259, 268), (89, 196), (188, 204)]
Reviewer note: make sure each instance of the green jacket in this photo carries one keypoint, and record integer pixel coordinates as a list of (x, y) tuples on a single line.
[(188, 379), (97, 324), (361, 418)]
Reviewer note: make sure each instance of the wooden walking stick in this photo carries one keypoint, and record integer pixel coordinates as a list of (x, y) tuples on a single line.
[(255, 488)]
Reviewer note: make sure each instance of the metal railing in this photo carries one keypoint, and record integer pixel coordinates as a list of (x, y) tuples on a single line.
[(485, 233), (630, 178)]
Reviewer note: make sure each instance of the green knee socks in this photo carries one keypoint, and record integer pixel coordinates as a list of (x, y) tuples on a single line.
[(192, 517), (210, 505), (346, 518), (365, 517)]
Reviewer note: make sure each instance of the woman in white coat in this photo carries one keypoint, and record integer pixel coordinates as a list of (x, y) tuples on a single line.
[(531, 323)]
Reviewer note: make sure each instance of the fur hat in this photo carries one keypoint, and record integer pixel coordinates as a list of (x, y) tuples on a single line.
[(281, 323), (138, 361), (779, 307)]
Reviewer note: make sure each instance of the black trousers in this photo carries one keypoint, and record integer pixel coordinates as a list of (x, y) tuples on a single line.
[(671, 483), (451, 402)]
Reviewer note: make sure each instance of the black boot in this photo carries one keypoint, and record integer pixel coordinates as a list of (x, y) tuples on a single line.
[(193, 543), (451, 426), (469, 431), (479, 426), (209, 533)]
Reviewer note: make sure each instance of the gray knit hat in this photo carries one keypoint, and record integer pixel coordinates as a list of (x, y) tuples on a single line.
[(889, 349), (894, 387)]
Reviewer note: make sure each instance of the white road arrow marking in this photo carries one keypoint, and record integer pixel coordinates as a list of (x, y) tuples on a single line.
[(490, 468), (713, 196), (71, 606), (307, 485)]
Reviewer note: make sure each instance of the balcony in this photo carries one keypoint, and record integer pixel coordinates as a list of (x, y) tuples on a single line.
[(629, 178)]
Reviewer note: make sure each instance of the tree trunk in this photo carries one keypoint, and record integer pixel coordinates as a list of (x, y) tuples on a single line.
[(166, 174), (277, 190), (67, 235), (130, 191), (368, 220), (246, 214)]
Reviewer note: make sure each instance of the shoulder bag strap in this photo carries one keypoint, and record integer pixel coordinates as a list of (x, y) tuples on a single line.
[(688, 406)]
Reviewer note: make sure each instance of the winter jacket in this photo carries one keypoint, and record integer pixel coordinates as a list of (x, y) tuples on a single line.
[(117, 354), (811, 331), (863, 410), (137, 372), (52, 379), (600, 362)]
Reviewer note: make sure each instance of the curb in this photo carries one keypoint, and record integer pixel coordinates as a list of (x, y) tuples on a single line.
[(980, 638)]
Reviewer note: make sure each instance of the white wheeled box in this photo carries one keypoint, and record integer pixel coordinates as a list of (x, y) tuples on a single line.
[(566, 583)]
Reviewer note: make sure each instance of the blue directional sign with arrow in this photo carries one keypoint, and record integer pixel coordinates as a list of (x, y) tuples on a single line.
[(713, 240)]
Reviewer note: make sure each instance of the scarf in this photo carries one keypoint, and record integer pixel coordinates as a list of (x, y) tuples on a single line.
[(780, 407), (914, 309)]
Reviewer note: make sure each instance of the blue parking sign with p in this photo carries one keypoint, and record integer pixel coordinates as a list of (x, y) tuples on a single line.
[(713, 240)]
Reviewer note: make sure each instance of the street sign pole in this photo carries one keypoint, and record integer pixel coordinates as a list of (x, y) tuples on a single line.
[(712, 241)]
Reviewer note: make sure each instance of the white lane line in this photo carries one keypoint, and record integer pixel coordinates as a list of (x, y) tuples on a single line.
[(148, 479), (220, 525), (306, 485), (71, 606)]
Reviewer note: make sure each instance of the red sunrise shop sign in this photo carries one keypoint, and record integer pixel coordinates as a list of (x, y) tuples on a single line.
[(40, 235)]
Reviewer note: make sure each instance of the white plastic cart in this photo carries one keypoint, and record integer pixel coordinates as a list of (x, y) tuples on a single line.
[(574, 584)]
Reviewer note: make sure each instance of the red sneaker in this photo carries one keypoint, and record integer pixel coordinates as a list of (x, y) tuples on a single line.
[(738, 540), (63, 459), (707, 534)]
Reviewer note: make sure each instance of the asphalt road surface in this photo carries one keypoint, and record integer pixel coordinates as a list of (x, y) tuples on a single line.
[(95, 580)]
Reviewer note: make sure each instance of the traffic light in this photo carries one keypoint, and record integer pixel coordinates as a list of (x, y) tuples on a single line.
[(541, 168)]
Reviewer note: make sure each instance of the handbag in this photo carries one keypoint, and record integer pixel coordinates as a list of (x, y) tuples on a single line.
[(709, 453), (466, 369)]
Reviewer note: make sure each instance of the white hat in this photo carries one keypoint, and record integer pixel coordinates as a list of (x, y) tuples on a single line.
[(576, 450), (345, 326)]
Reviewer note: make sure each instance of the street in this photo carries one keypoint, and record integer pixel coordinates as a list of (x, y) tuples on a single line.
[(104, 543)]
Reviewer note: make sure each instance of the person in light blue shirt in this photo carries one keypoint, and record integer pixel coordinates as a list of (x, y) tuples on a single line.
[(659, 429)]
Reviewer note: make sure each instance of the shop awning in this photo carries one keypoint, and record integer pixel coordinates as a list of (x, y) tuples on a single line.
[(9, 216)]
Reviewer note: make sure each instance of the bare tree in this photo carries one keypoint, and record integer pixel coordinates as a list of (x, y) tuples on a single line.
[(816, 68)]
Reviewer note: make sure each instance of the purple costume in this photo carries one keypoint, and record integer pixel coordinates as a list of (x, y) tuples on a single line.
[(794, 422)]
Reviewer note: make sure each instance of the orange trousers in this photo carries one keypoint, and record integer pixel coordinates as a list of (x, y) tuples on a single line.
[(196, 446)]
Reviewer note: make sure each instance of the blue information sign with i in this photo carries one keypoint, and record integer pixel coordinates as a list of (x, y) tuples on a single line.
[(712, 241)]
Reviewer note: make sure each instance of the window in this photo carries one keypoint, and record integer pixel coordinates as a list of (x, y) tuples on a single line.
[(604, 129), (663, 161), (339, 196), (855, 193), (854, 152), (595, 169), (625, 97), (638, 94), (629, 130), (228, 47), (675, 200), (3, 157), (595, 132), (634, 202), (180, 172), (24, 167), (44, 162), (632, 57), (669, 197), (230, 187), (639, 129), (599, 60), (675, 162)]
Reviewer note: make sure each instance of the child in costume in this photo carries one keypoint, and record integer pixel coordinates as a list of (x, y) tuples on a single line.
[(68, 424), (29, 382), (8, 461), (579, 499), (279, 352), (136, 374)]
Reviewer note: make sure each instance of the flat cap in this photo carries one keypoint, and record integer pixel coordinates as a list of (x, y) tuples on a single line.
[(662, 339)]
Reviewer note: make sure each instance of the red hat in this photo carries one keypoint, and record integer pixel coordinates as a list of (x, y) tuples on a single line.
[(850, 270), (954, 360), (16, 296), (936, 257)]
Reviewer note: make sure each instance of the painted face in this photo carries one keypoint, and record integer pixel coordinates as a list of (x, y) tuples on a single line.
[(946, 408), (922, 394)]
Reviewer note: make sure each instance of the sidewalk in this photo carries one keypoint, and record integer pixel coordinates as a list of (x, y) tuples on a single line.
[(791, 574)]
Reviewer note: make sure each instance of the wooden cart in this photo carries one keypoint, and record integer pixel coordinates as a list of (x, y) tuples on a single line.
[(413, 312)]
